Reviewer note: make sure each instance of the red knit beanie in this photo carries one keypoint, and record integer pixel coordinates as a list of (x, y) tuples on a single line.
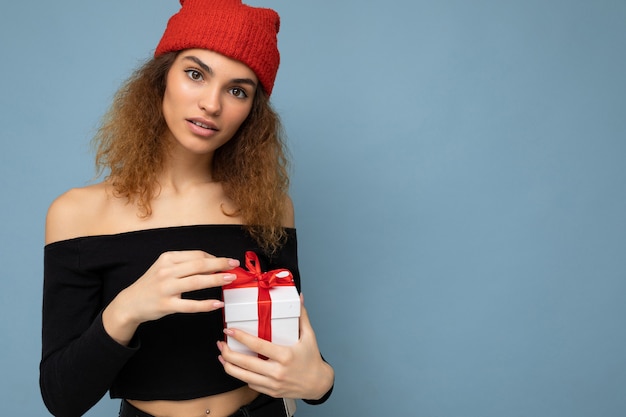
[(238, 31)]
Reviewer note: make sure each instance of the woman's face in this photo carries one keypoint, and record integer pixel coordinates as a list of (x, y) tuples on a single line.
[(207, 97)]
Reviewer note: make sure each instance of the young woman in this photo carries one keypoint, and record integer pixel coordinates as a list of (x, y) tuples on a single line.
[(134, 265)]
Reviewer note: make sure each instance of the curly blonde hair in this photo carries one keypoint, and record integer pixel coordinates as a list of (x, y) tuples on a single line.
[(252, 166)]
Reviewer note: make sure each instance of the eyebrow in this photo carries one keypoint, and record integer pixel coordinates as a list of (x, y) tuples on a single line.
[(209, 71)]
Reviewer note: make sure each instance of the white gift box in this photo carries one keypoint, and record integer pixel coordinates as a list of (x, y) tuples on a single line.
[(241, 312)]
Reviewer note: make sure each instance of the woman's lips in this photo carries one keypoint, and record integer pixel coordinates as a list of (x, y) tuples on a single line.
[(202, 127)]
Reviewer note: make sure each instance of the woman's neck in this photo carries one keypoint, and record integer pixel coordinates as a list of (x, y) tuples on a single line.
[(182, 172)]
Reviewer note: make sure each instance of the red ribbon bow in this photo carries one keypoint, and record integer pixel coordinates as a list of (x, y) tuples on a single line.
[(253, 277)]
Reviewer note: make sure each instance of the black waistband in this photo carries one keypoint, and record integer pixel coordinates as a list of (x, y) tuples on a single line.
[(262, 406)]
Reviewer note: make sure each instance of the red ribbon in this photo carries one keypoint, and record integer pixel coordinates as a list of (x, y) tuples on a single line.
[(253, 277)]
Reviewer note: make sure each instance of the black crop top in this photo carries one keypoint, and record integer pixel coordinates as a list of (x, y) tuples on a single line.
[(80, 361)]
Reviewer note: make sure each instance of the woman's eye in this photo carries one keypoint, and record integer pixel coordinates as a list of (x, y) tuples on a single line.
[(194, 74), (238, 92)]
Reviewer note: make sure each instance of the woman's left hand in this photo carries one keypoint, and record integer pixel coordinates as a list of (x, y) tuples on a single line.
[(296, 371)]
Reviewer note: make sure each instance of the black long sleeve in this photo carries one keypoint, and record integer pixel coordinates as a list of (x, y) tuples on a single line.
[(81, 362), (79, 359)]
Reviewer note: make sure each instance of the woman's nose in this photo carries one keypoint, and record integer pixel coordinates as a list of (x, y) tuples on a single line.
[(210, 101)]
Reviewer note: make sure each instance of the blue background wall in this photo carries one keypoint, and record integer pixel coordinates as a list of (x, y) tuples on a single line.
[(459, 183)]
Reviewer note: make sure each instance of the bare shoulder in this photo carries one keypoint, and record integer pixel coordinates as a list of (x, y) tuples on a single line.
[(71, 214), (289, 218)]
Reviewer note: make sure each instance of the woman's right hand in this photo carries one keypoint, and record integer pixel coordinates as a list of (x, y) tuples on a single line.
[(158, 292)]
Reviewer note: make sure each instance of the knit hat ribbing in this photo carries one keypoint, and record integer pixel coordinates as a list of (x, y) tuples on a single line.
[(238, 31)]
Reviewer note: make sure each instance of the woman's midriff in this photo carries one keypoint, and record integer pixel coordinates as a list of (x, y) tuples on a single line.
[(219, 405)]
